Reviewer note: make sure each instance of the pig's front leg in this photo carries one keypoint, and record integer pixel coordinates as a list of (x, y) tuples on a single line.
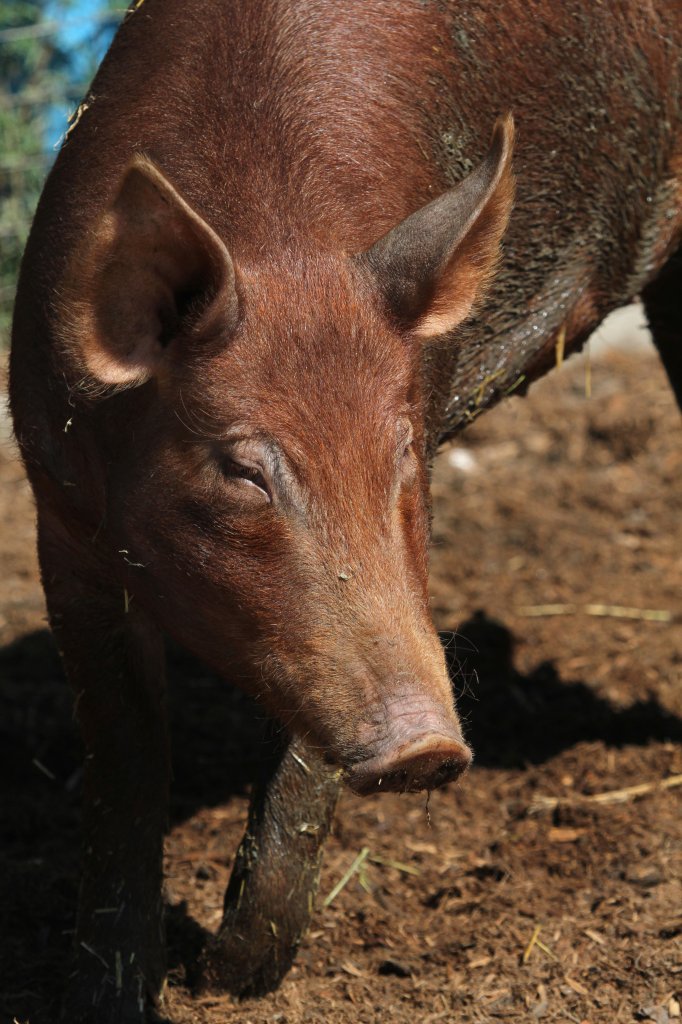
[(269, 901), (114, 662)]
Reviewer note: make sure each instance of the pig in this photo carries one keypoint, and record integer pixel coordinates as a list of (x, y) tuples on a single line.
[(263, 284)]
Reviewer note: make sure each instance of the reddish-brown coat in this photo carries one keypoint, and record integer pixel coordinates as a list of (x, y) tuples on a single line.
[(231, 281)]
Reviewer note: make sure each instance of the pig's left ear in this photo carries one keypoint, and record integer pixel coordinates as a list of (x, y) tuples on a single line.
[(433, 266), (150, 269)]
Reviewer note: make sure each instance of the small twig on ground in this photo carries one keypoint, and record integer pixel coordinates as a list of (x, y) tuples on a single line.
[(613, 796), (546, 950), (398, 865), (609, 611), (529, 948), (535, 941), (617, 611), (343, 882)]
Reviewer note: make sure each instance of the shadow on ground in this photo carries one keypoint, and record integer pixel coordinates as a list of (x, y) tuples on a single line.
[(512, 720)]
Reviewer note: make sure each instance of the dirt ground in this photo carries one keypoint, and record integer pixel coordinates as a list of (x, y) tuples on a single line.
[(556, 516)]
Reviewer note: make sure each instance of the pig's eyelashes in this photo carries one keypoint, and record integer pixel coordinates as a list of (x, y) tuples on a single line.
[(233, 470)]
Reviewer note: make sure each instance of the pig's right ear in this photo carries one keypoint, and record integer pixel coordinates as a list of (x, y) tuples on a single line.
[(152, 267), (432, 268)]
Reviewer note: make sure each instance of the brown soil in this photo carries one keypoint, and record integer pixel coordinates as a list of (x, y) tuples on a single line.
[(568, 505)]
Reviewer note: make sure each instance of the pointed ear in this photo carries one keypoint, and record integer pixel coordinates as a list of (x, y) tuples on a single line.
[(433, 266), (152, 266)]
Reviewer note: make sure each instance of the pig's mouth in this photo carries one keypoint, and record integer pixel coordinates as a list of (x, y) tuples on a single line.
[(423, 762)]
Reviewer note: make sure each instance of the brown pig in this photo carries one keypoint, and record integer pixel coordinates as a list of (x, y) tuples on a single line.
[(237, 343)]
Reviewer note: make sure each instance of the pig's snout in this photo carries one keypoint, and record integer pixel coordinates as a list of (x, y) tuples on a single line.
[(428, 761), (420, 751)]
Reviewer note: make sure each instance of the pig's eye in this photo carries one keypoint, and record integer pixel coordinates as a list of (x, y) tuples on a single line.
[(250, 475)]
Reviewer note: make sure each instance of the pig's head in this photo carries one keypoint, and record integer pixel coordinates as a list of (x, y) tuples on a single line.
[(265, 433)]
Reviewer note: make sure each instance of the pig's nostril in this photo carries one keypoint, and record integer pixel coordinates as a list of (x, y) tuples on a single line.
[(442, 773)]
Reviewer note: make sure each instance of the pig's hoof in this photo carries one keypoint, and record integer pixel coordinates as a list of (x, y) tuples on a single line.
[(237, 968)]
